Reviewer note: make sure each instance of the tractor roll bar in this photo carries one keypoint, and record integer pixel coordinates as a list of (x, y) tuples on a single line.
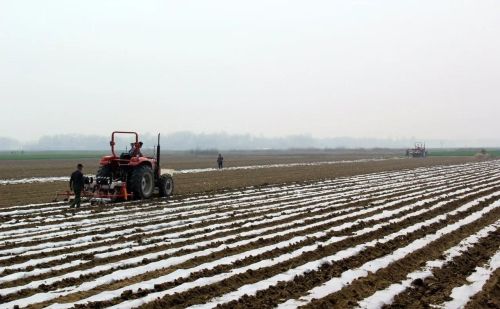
[(112, 142)]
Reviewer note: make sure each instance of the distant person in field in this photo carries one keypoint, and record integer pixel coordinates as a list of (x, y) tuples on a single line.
[(76, 183), (220, 161)]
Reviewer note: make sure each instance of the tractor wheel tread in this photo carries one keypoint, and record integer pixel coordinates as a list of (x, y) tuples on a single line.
[(165, 185), (136, 182)]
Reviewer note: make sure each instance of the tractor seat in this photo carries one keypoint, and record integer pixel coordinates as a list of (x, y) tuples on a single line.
[(125, 156)]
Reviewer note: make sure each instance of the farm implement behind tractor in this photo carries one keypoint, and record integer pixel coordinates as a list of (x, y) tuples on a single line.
[(126, 176)]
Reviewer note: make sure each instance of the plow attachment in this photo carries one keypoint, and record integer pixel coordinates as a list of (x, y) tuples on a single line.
[(99, 193)]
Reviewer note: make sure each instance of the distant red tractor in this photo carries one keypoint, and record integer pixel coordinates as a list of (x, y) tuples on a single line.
[(419, 151), (129, 175)]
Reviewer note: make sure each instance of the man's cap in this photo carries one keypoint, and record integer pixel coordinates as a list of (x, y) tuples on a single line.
[(79, 165)]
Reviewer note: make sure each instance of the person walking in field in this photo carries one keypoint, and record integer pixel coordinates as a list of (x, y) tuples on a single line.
[(76, 183), (220, 161)]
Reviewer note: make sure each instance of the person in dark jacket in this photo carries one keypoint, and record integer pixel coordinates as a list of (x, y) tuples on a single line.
[(76, 183), (220, 161)]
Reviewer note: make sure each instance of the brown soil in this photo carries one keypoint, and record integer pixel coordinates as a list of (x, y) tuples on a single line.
[(16, 169), (304, 216), (347, 297), (436, 289), (268, 298), (490, 296), (212, 182)]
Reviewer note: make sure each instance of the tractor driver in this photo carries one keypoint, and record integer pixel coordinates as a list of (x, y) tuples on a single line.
[(135, 149)]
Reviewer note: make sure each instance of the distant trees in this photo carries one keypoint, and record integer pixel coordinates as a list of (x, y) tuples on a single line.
[(9, 144)]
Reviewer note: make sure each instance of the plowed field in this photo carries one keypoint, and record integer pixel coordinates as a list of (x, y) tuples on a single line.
[(424, 237)]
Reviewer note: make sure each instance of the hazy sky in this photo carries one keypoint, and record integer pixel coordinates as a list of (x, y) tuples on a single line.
[(429, 69)]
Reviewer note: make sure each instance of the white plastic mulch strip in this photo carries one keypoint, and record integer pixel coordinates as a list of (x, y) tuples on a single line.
[(251, 193), (91, 222), (407, 174), (130, 272), (162, 214), (386, 296), (156, 227), (32, 180), (253, 167), (251, 289), (347, 277), (183, 273), (462, 295), (196, 171), (279, 214), (350, 275), (28, 210), (266, 263), (130, 248)]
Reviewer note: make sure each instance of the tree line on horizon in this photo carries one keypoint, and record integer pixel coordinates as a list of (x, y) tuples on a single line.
[(209, 141)]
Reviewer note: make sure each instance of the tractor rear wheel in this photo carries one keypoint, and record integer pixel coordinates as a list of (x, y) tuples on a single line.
[(142, 182), (165, 185)]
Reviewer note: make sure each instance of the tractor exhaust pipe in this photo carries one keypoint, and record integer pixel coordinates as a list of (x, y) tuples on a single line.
[(158, 168)]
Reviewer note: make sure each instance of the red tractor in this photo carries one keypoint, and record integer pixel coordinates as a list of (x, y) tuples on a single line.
[(419, 151), (130, 174)]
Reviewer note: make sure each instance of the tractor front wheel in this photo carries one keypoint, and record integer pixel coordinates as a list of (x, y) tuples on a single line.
[(165, 185), (142, 182)]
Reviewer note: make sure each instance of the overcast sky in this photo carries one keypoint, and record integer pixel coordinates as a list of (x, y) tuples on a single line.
[(428, 69)]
